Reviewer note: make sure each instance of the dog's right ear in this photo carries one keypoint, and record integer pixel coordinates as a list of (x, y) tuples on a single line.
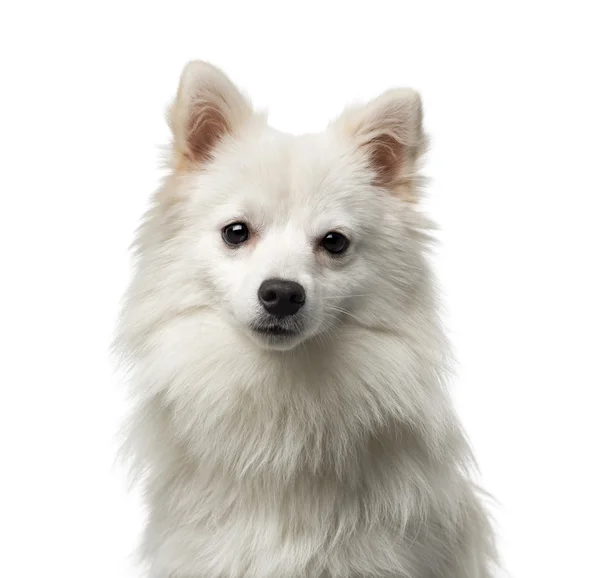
[(207, 108)]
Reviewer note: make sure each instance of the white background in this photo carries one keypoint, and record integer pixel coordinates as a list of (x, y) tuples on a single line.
[(512, 104)]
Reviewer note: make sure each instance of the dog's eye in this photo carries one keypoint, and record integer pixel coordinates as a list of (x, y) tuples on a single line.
[(335, 242), (236, 233)]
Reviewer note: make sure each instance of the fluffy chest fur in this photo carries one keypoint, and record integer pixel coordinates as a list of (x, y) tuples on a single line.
[(341, 460)]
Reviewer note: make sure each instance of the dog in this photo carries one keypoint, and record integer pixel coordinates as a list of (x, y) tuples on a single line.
[(286, 361)]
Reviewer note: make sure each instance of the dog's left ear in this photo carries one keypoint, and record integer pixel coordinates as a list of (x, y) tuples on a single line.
[(388, 130)]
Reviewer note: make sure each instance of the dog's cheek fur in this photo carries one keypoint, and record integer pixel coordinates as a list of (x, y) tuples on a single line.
[(342, 458)]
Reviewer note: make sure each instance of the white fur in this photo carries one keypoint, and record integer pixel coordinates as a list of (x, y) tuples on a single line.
[(335, 454)]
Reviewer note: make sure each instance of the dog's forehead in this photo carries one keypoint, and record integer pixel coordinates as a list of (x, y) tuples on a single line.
[(312, 168), (272, 178)]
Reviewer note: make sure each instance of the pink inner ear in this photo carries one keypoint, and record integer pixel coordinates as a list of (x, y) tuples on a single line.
[(387, 156), (206, 127)]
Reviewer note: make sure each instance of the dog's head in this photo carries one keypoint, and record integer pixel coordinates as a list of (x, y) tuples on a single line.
[(287, 237)]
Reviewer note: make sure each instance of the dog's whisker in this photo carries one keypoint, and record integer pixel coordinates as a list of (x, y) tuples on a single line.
[(341, 297)]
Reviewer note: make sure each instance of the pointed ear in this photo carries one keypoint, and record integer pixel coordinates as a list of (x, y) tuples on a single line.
[(208, 107), (389, 132)]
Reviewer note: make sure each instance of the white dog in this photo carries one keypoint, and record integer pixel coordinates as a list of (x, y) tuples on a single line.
[(286, 358)]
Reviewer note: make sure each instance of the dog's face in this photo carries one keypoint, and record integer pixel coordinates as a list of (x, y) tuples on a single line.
[(285, 233), (288, 236)]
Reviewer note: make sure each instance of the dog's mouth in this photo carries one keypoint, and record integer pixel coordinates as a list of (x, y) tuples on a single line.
[(275, 330), (278, 333)]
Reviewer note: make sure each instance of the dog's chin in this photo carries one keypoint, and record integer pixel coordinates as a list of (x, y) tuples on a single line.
[(275, 336)]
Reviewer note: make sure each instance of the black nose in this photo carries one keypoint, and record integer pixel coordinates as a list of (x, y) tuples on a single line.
[(281, 298)]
